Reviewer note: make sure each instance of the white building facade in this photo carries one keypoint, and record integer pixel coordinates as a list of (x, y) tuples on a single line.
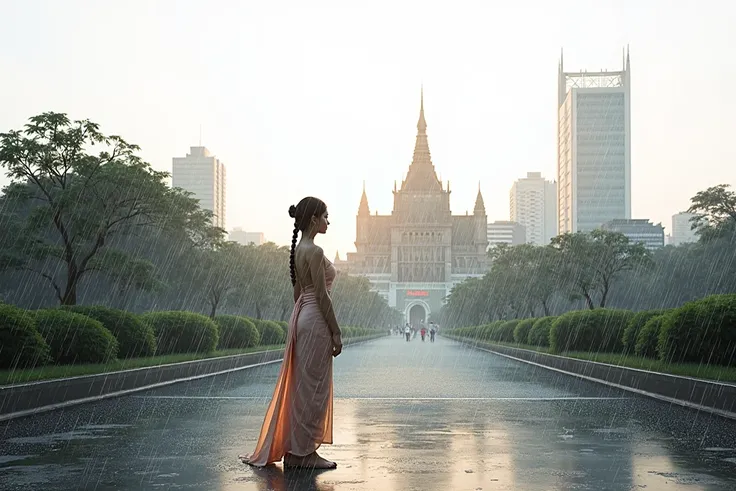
[(533, 204), (638, 230), (204, 176), (594, 148), (505, 232), (682, 232), (245, 238)]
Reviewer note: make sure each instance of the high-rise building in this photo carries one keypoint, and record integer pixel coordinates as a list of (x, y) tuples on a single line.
[(203, 175), (638, 230), (245, 238), (593, 148), (505, 232), (414, 256), (533, 204), (682, 233)]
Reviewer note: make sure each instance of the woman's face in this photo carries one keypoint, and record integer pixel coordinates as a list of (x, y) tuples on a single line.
[(322, 223)]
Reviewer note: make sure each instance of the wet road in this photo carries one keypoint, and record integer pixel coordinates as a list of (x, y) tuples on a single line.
[(408, 416)]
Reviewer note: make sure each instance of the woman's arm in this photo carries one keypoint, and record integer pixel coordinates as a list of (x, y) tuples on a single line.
[(317, 271), (297, 291)]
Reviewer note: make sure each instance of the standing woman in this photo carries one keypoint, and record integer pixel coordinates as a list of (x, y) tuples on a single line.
[(299, 417)]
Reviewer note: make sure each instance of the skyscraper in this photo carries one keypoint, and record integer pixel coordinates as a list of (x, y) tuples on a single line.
[(682, 231), (533, 204), (593, 148), (203, 175)]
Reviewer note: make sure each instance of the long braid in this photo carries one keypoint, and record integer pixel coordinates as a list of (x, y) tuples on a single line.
[(292, 266)]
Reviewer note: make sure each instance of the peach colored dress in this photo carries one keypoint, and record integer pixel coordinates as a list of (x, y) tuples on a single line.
[(299, 417)]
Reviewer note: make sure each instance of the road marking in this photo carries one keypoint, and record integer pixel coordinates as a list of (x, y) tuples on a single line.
[(238, 398)]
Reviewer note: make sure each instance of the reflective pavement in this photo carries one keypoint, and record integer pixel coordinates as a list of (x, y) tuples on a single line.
[(408, 416)]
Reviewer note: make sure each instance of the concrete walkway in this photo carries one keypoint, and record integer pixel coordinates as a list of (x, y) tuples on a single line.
[(408, 416)]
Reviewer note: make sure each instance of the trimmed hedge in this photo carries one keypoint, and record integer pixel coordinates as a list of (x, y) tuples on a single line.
[(539, 334), (182, 332), (135, 338), (236, 332), (270, 331), (521, 332), (702, 331), (75, 338), (21, 345), (648, 337), (631, 333), (599, 330)]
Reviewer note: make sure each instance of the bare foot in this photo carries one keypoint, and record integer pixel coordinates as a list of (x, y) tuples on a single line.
[(311, 461)]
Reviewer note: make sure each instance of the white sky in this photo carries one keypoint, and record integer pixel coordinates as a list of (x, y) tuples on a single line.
[(312, 98)]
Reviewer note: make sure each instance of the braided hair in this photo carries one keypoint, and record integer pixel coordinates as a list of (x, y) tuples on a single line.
[(302, 214)]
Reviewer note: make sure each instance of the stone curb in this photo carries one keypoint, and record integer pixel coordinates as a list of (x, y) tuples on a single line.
[(34, 397), (704, 395)]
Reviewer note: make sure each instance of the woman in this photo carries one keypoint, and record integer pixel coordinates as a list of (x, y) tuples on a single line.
[(299, 418)]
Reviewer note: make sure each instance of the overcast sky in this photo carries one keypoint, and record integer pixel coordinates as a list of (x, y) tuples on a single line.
[(313, 98)]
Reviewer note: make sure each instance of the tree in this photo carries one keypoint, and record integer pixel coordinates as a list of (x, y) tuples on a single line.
[(221, 272), (81, 200), (591, 262)]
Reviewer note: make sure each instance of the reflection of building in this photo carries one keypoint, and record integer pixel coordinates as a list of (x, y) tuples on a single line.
[(533, 204), (593, 148), (682, 233), (505, 232), (414, 256), (638, 230), (203, 175), (242, 237)]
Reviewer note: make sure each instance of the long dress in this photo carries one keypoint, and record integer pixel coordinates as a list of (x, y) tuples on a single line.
[(299, 417)]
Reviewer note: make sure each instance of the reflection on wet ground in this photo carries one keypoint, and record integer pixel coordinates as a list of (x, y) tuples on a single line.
[(409, 416)]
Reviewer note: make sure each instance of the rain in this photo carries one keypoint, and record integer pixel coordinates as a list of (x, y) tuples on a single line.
[(547, 332)]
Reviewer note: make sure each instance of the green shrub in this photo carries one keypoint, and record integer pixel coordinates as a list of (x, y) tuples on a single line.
[(236, 332), (135, 337), (21, 345), (703, 331), (648, 337), (182, 332), (271, 333), (631, 333), (75, 338), (487, 332), (521, 332), (348, 331), (539, 333), (599, 330), (284, 327), (505, 332)]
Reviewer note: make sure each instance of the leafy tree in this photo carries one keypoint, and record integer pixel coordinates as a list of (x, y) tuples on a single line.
[(85, 189), (591, 262)]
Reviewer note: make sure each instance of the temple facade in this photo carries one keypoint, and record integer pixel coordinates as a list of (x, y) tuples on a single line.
[(414, 256)]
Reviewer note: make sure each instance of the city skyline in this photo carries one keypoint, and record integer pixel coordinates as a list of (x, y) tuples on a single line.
[(290, 108)]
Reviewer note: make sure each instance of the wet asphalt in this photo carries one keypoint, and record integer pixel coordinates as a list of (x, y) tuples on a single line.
[(408, 416)]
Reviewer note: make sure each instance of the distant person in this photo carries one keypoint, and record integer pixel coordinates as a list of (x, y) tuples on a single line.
[(432, 332), (423, 332), (299, 418), (407, 332)]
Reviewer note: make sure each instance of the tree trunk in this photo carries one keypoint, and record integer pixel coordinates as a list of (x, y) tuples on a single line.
[(589, 301), (258, 311), (545, 307), (70, 291), (213, 309), (604, 294)]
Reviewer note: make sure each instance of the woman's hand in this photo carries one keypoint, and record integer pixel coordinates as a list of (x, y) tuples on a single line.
[(336, 344)]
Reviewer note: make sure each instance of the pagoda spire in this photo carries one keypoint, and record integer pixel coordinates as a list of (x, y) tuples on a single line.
[(480, 207), (363, 209), (421, 176)]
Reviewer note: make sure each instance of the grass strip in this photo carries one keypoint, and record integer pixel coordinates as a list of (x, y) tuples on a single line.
[(715, 373), (51, 372)]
